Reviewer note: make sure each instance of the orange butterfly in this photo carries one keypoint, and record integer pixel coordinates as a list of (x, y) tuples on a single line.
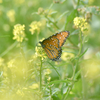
[(53, 44)]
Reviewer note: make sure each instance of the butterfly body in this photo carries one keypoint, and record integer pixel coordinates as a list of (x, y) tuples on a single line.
[(53, 44)]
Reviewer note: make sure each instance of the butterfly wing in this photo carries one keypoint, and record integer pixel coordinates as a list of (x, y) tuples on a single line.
[(53, 44), (51, 47), (62, 36)]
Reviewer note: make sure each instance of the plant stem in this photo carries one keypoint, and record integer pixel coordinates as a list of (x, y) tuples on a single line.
[(41, 74), (80, 49), (8, 49), (52, 22), (84, 85)]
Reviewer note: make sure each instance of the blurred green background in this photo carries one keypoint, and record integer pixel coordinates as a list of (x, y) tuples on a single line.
[(24, 12)]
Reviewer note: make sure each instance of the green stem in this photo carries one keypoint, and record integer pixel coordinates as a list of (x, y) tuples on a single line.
[(84, 84), (52, 22), (24, 59), (68, 90), (78, 2), (41, 75), (80, 49), (74, 70), (8, 49), (22, 52)]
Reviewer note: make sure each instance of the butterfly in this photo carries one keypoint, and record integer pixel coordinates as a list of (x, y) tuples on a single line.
[(52, 45)]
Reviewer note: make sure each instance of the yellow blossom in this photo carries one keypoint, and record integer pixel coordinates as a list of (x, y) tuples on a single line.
[(34, 26), (67, 56), (34, 86), (19, 92), (40, 10), (49, 78), (47, 72), (81, 23), (11, 63), (86, 28), (18, 32), (39, 52), (11, 15)]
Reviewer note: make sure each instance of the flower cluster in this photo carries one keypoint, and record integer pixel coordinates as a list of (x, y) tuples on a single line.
[(34, 86), (81, 23), (47, 74), (67, 56), (34, 26), (18, 32), (40, 53)]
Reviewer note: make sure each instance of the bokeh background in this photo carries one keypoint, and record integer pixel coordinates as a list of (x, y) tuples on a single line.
[(27, 73)]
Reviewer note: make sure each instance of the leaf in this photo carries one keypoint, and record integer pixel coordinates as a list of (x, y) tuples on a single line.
[(74, 32), (70, 17), (50, 7), (61, 16), (53, 12), (58, 81), (55, 91), (83, 53), (98, 55), (54, 69)]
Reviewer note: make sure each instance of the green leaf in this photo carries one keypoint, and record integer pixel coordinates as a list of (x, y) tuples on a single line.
[(98, 55), (70, 17), (83, 53), (74, 32), (54, 69), (61, 16), (53, 12), (58, 81), (55, 91), (50, 7)]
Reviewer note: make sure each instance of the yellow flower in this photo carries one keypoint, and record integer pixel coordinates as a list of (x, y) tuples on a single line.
[(47, 72), (34, 86), (67, 56), (39, 52), (40, 10), (81, 23), (19, 92), (11, 15), (34, 26), (49, 78), (11, 63), (86, 28), (18, 32)]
